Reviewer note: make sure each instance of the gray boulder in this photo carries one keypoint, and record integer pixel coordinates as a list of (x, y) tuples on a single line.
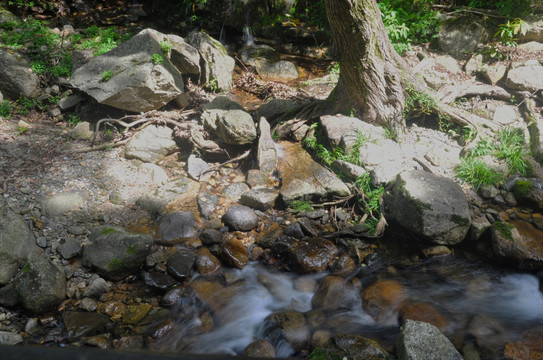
[(41, 285), (151, 144), (342, 131), (282, 70), (535, 29), (418, 340), (229, 122), (260, 199), (16, 243), (217, 67), (62, 203), (239, 217), (183, 56), (526, 77), (177, 226), (507, 245), (116, 253), (431, 207), (251, 54), (16, 78), (266, 151), (135, 83), (461, 35)]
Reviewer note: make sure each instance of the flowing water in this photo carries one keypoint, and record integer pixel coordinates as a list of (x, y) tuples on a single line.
[(459, 290)]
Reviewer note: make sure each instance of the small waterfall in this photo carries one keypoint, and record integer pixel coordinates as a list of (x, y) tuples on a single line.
[(248, 38)]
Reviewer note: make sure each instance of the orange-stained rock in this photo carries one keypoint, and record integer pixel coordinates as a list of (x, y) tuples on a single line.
[(382, 299), (530, 346), (424, 312), (206, 262), (234, 253)]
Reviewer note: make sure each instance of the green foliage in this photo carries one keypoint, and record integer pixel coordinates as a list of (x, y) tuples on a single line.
[(300, 206), (106, 75), (102, 40), (418, 103), (6, 109), (475, 172), (507, 32), (73, 119), (157, 59), (22, 5), (409, 21), (311, 12), (508, 8), (523, 187), (25, 105), (511, 147), (21, 130), (165, 46)]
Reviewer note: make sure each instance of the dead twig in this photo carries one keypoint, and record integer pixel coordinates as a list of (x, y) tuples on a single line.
[(217, 167)]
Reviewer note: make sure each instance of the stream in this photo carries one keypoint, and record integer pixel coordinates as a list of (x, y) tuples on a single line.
[(474, 301)]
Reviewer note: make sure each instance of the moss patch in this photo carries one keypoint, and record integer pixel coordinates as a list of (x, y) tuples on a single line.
[(115, 264), (504, 229), (523, 187)]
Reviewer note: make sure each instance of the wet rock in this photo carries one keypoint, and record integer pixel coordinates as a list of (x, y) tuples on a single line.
[(136, 83), (330, 294), (158, 280), (420, 340), (383, 298), (16, 78), (116, 253), (9, 338), (80, 324), (304, 179), (151, 144), (176, 227), (424, 312), (509, 246), (206, 262), (62, 203), (259, 348), (97, 286), (433, 208), (102, 341), (267, 237), (234, 253), (172, 297), (8, 296), (488, 333), (16, 242), (241, 218), (41, 285), (266, 151), (133, 314), (180, 264), (290, 326), (260, 199), (88, 304), (294, 230), (529, 191), (70, 248), (313, 256), (217, 67), (211, 237), (134, 342), (353, 347), (214, 294)]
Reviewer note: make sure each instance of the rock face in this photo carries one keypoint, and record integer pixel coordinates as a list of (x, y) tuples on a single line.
[(304, 179), (419, 340), (216, 66), (527, 77), (16, 78), (116, 253), (41, 285), (16, 243), (509, 246), (431, 207), (151, 144), (461, 36), (267, 153), (134, 81)]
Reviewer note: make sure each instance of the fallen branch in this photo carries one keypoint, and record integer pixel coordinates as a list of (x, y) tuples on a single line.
[(217, 167), (101, 147)]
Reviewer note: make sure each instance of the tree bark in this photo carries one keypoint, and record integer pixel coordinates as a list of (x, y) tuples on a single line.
[(372, 73)]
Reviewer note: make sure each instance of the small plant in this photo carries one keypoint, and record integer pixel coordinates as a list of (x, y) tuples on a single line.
[(5, 109), (106, 75), (299, 206), (475, 172), (165, 46), (25, 105), (73, 119), (157, 59), (507, 32), (21, 130), (511, 147)]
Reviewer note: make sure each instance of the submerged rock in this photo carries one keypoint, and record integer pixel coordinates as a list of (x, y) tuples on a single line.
[(313, 256), (351, 347), (383, 299)]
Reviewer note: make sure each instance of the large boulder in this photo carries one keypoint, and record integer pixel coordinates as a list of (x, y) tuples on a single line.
[(525, 77), (508, 245), (461, 35), (16, 242), (151, 144), (116, 253), (16, 77), (135, 82), (419, 340), (228, 121), (431, 207), (216, 66), (41, 285), (535, 29), (305, 179)]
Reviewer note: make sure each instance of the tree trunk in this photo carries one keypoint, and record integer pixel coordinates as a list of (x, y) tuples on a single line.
[(372, 73)]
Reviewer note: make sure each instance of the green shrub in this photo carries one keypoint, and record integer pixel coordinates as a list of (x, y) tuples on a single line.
[(5, 109), (157, 59), (106, 75), (476, 173), (508, 8)]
